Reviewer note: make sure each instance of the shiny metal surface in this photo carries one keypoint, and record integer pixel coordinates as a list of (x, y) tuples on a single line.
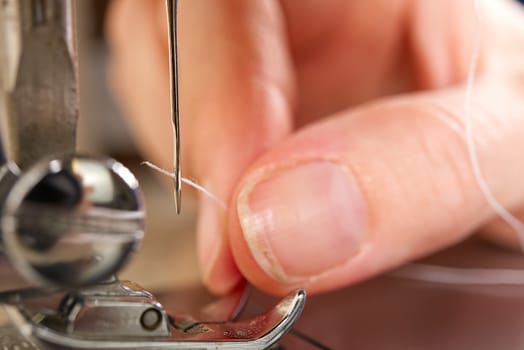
[(114, 321), (38, 78), (390, 313), (111, 311), (9, 173), (72, 221), (172, 11)]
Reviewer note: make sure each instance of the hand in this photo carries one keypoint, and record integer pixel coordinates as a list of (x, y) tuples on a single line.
[(334, 129)]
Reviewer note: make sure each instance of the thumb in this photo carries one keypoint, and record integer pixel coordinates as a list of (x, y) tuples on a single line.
[(370, 189)]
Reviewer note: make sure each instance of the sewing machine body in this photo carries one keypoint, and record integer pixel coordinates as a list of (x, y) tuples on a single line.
[(69, 223)]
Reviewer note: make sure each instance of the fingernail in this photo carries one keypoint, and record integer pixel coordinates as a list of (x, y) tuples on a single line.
[(302, 221)]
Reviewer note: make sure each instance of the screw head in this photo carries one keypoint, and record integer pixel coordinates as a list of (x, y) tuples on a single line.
[(151, 319)]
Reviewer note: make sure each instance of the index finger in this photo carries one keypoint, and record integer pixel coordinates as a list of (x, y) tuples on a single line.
[(236, 91)]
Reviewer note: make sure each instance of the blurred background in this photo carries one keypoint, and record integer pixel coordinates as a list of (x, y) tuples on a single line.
[(102, 125)]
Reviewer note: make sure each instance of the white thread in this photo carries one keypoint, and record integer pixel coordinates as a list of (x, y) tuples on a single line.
[(188, 182), (499, 209)]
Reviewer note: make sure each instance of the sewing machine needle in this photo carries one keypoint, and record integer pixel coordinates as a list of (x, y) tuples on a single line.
[(172, 6), (38, 79)]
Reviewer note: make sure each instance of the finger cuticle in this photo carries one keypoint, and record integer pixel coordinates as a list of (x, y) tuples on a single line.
[(302, 220)]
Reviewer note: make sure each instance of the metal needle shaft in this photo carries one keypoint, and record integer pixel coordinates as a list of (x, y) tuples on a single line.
[(172, 6), (38, 78)]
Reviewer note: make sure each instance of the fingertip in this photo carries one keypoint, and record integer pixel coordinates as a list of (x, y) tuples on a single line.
[(247, 264), (219, 272), (222, 276)]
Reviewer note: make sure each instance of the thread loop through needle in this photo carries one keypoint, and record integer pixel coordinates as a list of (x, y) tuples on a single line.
[(190, 183)]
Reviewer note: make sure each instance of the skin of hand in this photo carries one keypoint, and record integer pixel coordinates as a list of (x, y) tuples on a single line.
[(334, 129)]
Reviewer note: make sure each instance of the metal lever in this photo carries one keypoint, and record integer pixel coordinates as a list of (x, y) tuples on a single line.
[(38, 73)]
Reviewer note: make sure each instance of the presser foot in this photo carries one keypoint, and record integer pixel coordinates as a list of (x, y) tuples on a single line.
[(121, 315)]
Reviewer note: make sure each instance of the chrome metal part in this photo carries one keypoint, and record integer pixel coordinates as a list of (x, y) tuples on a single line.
[(9, 173), (38, 73), (71, 221), (110, 318), (172, 24), (113, 310), (68, 223)]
